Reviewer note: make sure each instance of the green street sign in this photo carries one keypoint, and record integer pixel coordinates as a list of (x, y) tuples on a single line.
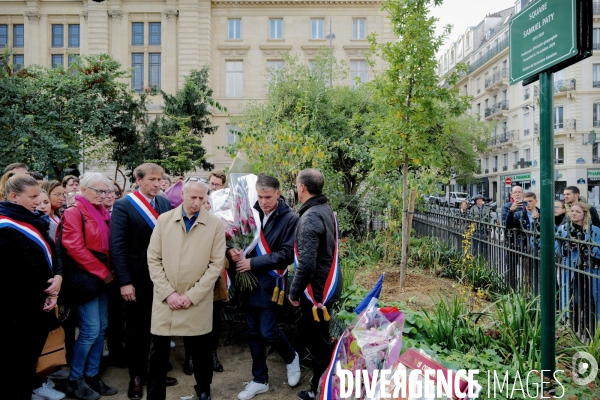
[(542, 35), (517, 177)]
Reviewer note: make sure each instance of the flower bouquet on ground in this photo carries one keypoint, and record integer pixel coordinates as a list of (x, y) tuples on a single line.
[(236, 213)]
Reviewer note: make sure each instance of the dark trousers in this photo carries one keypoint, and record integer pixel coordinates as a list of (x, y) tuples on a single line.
[(263, 330), (24, 341), (316, 339), (116, 322), (199, 349), (70, 325), (216, 329), (138, 316)]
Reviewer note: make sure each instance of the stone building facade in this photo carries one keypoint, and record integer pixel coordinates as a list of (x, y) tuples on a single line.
[(513, 149), (163, 40)]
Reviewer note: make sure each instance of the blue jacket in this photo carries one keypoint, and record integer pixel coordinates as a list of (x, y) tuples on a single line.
[(573, 254), (279, 233)]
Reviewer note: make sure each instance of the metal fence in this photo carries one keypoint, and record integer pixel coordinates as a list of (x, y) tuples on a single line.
[(514, 255)]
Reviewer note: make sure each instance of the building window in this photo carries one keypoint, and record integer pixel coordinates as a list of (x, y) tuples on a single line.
[(479, 111), (234, 79), (496, 163), (154, 34), (596, 75), (58, 61), (558, 117), (58, 35), (74, 35), (359, 30), (234, 28), (596, 39), (358, 69), (505, 160), (137, 78), (18, 61), (154, 70), (71, 59), (317, 28), (526, 124), (137, 34), (19, 35), (3, 35), (527, 154), (232, 135), (527, 93), (273, 67), (559, 155), (516, 156), (596, 115), (468, 40), (276, 28)]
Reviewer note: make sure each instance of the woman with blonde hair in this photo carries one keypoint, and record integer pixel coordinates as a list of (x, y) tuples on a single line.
[(3, 180), (85, 237), (29, 257)]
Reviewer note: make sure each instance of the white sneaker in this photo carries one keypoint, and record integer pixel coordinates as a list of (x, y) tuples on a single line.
[(293, 371), (252, 389), (49, 383), (46, 392), (172, 344)]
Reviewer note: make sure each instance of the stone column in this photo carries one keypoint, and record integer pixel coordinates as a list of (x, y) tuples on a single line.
[(116, 38), (34, 48), (97, 27), (168, 74)]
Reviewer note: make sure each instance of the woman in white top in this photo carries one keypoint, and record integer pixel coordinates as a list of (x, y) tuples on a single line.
[(56, 193)]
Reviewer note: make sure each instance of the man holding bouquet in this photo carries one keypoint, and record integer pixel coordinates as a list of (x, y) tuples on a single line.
[(268, 262)]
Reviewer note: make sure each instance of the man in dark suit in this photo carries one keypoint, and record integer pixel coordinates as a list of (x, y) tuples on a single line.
[(133, 220)]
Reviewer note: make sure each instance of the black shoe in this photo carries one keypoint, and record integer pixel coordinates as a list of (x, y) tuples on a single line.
[(170, 381), (136, 391), (204, 396), (306, 395), (100, 386), (217, 366), (188, 366), (81, 390), (117, 361)]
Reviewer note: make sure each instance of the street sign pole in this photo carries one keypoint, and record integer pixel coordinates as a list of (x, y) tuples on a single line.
[(547, 260)]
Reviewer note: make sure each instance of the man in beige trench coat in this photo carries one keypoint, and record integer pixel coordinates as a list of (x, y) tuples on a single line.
[(185, 258)]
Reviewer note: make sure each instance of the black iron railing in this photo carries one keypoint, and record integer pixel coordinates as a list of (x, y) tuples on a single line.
[(513, 254), (487, 55)]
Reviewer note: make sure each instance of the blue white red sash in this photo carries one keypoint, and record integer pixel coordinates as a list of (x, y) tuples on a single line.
[(332, 278), (226, 277), (139, 202), (31, 233), (327, 392), (262, 248)]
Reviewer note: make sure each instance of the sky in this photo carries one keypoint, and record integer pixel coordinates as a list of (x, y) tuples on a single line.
[(463, 13)]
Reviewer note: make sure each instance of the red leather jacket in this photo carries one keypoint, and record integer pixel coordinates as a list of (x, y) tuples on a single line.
[(74, 243)]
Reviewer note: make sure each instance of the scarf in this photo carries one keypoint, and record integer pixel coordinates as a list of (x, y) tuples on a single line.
[(100, 216)]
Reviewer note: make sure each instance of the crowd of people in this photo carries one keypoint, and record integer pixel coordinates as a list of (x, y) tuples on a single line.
[(144, 265)]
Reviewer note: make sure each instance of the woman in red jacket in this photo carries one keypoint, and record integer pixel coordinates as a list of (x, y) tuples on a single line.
[(89, 250)]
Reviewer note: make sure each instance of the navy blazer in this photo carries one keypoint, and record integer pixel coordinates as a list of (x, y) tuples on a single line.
[(279, 233), (129, 240)]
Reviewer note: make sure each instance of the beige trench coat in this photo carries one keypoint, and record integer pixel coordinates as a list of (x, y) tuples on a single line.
[(186, 263)]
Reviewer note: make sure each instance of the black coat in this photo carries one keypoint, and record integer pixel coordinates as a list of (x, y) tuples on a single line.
[(315, 241), (25, 270), (129, 240), (279, 234)]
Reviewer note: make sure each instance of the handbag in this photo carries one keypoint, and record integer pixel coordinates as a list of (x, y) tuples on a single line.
[(54, 354), (79, 286)]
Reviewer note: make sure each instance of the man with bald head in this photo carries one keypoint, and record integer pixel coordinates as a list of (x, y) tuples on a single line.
[(516, 202), (317, 283)]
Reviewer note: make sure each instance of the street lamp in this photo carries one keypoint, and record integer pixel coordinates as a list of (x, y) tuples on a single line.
[(330, 35)]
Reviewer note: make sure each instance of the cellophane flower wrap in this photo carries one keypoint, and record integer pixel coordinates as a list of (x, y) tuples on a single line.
[(373, 341), (234, 207)]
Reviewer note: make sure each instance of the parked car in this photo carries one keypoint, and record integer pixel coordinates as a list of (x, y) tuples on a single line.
[(455, 198), (439, 199)]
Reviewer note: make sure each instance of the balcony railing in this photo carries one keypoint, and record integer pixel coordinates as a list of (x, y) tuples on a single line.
[(536, 129), (496, 77), (487, 55), (559, 125), (504, 137), (571, 124), (596, 84), (596, 7), (596, 123), (558, 161), (564, 85), (505, 168), (495, 169), (526, 132), (596, 160)]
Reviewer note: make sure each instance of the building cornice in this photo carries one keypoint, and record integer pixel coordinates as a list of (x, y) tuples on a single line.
[(291, 2)]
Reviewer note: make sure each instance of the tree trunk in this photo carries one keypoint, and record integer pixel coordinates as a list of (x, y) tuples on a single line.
[(411, 210), (405, 227)]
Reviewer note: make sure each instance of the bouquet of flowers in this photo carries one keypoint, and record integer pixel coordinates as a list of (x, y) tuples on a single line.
[(234, 207)]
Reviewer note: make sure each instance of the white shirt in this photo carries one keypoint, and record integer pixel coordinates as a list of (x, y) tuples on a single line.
[(147, 198), (266, 218)]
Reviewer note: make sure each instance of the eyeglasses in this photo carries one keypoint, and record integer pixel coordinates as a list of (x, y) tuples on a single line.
[(100, 192), (558, 207), (117, 193), (216, 185), (195, 179), (59, 195)]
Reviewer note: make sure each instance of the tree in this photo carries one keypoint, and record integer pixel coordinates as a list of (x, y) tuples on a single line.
[(175, 139), (305, 123), (49, 116), (421, 123)]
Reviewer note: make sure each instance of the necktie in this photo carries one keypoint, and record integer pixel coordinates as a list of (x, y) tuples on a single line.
[(153, 203)]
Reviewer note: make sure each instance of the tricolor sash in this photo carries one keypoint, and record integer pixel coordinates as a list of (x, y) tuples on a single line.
[(331, 282), (31, 233), (328, 375), (139, 202), (262, 248), (226, 277)]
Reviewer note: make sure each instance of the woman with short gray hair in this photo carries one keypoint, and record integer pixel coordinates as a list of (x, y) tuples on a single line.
[(85, 237)]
